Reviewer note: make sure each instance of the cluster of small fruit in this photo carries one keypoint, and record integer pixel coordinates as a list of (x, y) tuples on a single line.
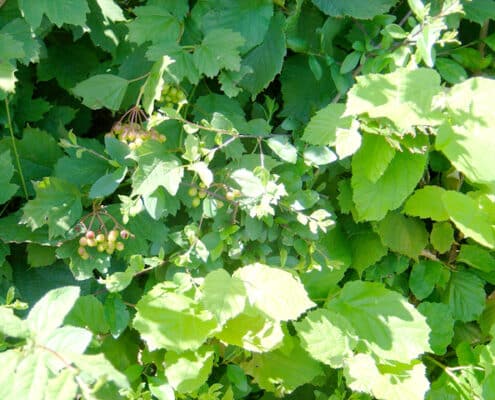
[(134, 135), (102, 242), (198, 195), (171, 96)]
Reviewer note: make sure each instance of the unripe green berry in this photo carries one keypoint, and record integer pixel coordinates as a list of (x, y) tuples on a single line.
[(192, 192), (196, 202), (85, 256), (81, 251), (119, 246), (101, 247), (100, 238), (229, 196), (92, 242), (113, 235), (202, 194)]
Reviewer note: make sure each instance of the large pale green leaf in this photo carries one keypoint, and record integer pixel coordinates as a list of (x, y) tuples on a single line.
[(58, 11), (439, 318), (63, 386), (96, 368), (327, 336), (469, 218), (277, 293), (223, 295), (387, 382), (7, 78), (49, 312), (284, 369), (468, 140), (252, 330), (187, 371), (30, 378), (7, 168), (219, 50), (102, 91), (367, 249), (88, 312), (111, 10), (57, 204), (251, 18), (373, 158), (403, 235), (166, 171), (384, 321), (322, 128), (12, 325), (427, 203), (354, 8), (479, 10), (465, 296), (9, 360), (153, 24), (404, 96), (374, 198), (172, 321), (266, 60), (20, 30)]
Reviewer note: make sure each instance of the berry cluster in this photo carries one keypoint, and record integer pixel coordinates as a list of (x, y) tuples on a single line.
[(171, 96), (134, 135), (102, 242)]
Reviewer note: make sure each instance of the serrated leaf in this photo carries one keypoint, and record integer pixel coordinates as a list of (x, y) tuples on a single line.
[(476, 257), (40, 256), (11, 325), (405, 97), (223, 295), (403, 235), (111, 10), (107, 184), (265, 61), (283, 148), (471, 220), (367, 249), (166, 172), (187, 371), (49, 312), (58, 11), (354, 8), (30, 378), (374, 199), (116, 314), (66, 341), (327, 337), (399, 381), (277, 293), (373, 157), (284, 369), (348, 141), (479, 10), (57, 204), (62, 386), (439, 318), (172, 321), (88, 313), (153, 24), (7, 77), (102, 91), (427, 203), (7, 168), (152, 88), (442, 236), (19, 30), (425, 274), (465, 296), (322, 128), (384, 321), (97, 368), (219, 50)]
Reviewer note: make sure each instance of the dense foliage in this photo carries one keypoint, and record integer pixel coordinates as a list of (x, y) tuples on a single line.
[(247, 199)]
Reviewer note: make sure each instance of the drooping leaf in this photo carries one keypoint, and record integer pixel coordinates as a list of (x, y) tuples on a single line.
[(404, 96), (275, 292), (102, 91), (384, 321)]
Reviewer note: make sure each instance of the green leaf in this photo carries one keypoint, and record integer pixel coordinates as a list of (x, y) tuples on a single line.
[(283, 148), (476, 257), (58, 11), (327, 337), (266, 60), (442, 236), (467, 138), (277, 293), (111, 10), (187, 371), (249, 183), (10, 48), (19, 30), (116, 314), (11, 325), (427, 203), (387, 382), (322, 128), (450, 70), (374, 199), (30, 378), (479, 10), (219, 50), (405, 97), (88, 313), (373, 158), (354, 8), (318, 155), (367, 249), (7, 77), (384, 321), (153, 24), (284, 369), (102, 91), (223, 295), (251, 18), (7, 168), (425, 274), (465, 296), (40, 256), (152, 88), (107, 184), (471, 220), (97, 368), (439, 318), (172, 321), (348, 140), (166, 172), (350, 62), (403, 235), (63, 386), (49, 312), (57, 204)]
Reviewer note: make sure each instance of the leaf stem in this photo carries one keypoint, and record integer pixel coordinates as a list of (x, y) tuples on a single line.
[(14, 147)]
